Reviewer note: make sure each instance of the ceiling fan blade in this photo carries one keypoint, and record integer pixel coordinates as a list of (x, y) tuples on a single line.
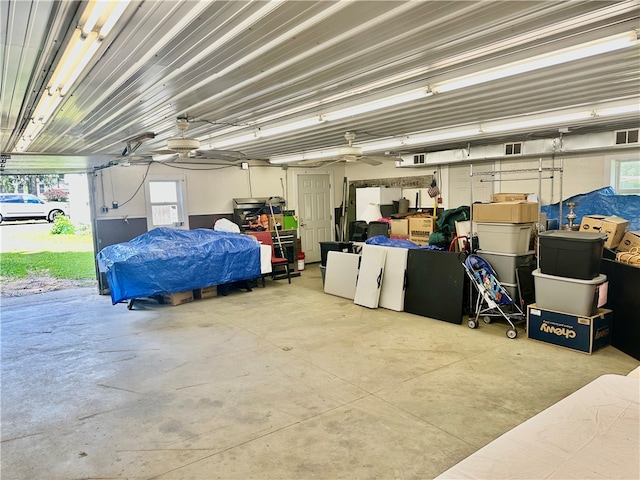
[(169, 156), (163, 152), (221, 154), (370, 160)]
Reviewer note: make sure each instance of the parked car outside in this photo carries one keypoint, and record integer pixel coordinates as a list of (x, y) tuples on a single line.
[(24, 206)]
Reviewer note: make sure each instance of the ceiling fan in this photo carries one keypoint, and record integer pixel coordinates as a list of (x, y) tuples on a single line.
[(351, 154), (182, 149)]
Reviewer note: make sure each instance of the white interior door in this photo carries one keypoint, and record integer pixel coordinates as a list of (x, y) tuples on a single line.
[(370, 276), (314, 213), (459, 189)]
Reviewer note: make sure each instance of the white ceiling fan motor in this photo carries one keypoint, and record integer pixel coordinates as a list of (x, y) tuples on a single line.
[(183, 144), (350, 153)]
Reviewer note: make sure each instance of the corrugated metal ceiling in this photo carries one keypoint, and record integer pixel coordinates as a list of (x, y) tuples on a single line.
[(236, 65)]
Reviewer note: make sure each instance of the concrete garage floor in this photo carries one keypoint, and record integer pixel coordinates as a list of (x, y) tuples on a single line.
[(284, 382)]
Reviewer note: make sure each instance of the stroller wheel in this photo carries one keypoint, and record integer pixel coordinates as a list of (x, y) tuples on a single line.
[(486, 319), (512, 333), (472, 324)]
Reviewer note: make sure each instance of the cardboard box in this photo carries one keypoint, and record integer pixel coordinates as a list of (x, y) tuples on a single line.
[(400, 227), (509, 197), (420, 229), (630, 240), (614, 227), (205, 292), (506, 212), (584, 334), (178, 298), (276, 221)]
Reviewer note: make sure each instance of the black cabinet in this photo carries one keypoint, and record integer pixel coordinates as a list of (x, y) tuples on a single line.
[(435, 285), (623, 297), (289, 242)]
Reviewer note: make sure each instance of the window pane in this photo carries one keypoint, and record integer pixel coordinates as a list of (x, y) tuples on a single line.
[(629, 175), (163, 192)]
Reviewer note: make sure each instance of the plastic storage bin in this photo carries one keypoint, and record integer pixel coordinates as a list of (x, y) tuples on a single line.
[(571, 254), (504, 237), (567, 295), (505, 264)]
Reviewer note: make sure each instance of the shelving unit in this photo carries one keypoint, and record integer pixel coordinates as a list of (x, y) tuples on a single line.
[(538, 170)]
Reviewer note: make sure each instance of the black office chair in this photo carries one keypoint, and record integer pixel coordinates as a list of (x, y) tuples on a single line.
[(358, 231), (378, 228)]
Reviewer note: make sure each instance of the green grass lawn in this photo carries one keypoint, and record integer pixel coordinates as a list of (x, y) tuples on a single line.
[(69, 265), (60, 256)]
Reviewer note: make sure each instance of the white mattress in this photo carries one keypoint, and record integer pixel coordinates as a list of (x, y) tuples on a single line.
[(594, 433)]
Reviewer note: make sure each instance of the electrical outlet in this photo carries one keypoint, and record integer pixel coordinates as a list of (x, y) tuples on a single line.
[(114, 205)]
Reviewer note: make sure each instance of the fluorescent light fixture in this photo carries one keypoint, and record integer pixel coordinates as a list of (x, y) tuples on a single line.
[(377, 104), (524, 123), (70, 55), (51, 107), (435, 136), (80, 66), (382, 145), (114, 16), (103, 15), (313, 155), (93, 12), (331, 116), (607, 44), (33, 129), (589, 49), (551, 119), (290, 127), (621, 110), (83, 45)]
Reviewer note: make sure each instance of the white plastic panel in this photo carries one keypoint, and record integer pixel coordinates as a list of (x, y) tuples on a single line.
[(393, 280), (341, 274), (265, 259), (370, 276)]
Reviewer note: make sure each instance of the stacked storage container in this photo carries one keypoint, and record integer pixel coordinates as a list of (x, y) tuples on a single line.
[(504, 235), (568, 286), (568, 279)]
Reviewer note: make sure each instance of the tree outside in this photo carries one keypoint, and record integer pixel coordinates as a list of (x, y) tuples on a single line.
[(34, 184)]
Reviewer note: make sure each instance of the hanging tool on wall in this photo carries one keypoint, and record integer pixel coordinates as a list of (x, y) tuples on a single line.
[(433, 192)]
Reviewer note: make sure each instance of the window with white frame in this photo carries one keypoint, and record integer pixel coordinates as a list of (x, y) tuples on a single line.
[(626, 176), (166, 202)]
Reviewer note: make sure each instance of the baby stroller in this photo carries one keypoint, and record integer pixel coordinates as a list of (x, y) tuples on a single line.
[(493, 299)]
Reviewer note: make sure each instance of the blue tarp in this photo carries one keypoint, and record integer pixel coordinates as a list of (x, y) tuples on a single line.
[(383, 241), (168, 260), (603, 201)]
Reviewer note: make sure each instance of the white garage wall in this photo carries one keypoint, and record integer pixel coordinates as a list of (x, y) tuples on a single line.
[(212, 191), (209, 191)]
